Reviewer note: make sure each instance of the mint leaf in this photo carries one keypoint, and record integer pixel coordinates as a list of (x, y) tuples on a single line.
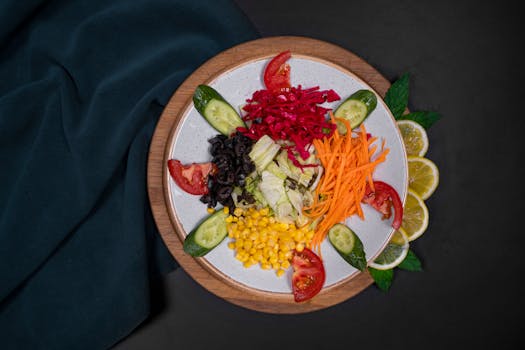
[(411, 262), (426, 119), (396, 98), (382, 278)]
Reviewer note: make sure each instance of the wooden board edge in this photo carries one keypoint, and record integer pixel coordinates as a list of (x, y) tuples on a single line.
[(259, 301)]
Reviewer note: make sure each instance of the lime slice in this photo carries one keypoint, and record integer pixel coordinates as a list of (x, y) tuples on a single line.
[(394, 253), (414, 137), (415, 216), (423, 176)]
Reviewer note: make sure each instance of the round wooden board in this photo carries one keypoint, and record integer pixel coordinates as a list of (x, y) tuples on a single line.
[(197, 267)]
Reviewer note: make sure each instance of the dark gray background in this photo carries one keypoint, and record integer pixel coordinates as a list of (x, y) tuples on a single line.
[(465, 62)]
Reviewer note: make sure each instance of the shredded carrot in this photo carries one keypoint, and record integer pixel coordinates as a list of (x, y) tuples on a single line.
[(349, 162)]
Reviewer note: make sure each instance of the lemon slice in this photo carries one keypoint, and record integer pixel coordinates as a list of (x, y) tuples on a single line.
[(415, 216), (394, 253), (414, 137), (423, 176)]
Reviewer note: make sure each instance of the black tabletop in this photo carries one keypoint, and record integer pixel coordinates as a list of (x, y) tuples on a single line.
[(464, 62)]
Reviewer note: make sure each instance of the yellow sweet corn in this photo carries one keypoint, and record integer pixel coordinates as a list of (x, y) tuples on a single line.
[(258, 238)]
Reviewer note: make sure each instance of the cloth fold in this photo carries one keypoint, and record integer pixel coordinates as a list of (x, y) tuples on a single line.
[(82, 85)]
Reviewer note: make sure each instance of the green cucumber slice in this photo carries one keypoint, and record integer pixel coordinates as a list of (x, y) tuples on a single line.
[(355, 109), (217, 112), (207, 235), (348, 245)]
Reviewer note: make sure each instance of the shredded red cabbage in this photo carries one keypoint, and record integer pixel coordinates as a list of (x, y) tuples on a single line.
[(292, 114)]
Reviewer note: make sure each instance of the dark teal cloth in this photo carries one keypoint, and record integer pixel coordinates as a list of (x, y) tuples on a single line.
[(82, 85)]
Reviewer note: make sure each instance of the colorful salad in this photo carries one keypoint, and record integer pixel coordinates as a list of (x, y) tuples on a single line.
[(284, 174)]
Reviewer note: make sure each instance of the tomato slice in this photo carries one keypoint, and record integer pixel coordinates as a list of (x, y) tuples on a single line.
[(192, 178), (382, 199), (308, 276), (277, 72)]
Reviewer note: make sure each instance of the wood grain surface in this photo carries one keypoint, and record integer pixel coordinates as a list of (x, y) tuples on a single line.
[(170, 229)]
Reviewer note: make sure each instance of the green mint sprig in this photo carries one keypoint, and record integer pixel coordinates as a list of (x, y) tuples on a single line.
[(411, 262), (396, 98), (384, 278)]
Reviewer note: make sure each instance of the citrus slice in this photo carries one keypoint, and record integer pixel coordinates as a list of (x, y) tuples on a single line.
[(415, 216), (394, 253), (423, 176), (414, 137)]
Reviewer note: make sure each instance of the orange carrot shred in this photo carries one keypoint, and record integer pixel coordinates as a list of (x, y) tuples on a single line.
[(349, 162)]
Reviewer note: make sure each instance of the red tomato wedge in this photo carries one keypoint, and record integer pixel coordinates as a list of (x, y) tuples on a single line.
[(308, 276), (191, 178), (382, 199), (277, 72)]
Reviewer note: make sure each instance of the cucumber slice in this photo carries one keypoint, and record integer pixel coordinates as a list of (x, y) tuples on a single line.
[(217, 112), (355, 109), (348, 245), (207, 235)]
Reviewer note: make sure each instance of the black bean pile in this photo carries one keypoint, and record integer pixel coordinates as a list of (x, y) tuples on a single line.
[(230, 154)]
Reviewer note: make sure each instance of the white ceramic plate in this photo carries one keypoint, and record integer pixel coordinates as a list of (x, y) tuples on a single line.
[(190, 145)]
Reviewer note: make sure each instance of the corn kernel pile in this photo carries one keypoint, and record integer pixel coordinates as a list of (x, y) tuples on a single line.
[(258, 238)]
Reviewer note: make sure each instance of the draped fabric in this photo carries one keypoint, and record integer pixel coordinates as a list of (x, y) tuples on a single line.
[(82, 85)]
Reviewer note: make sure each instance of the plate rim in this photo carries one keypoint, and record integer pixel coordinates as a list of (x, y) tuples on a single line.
[(186, 109), (301, 48)]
